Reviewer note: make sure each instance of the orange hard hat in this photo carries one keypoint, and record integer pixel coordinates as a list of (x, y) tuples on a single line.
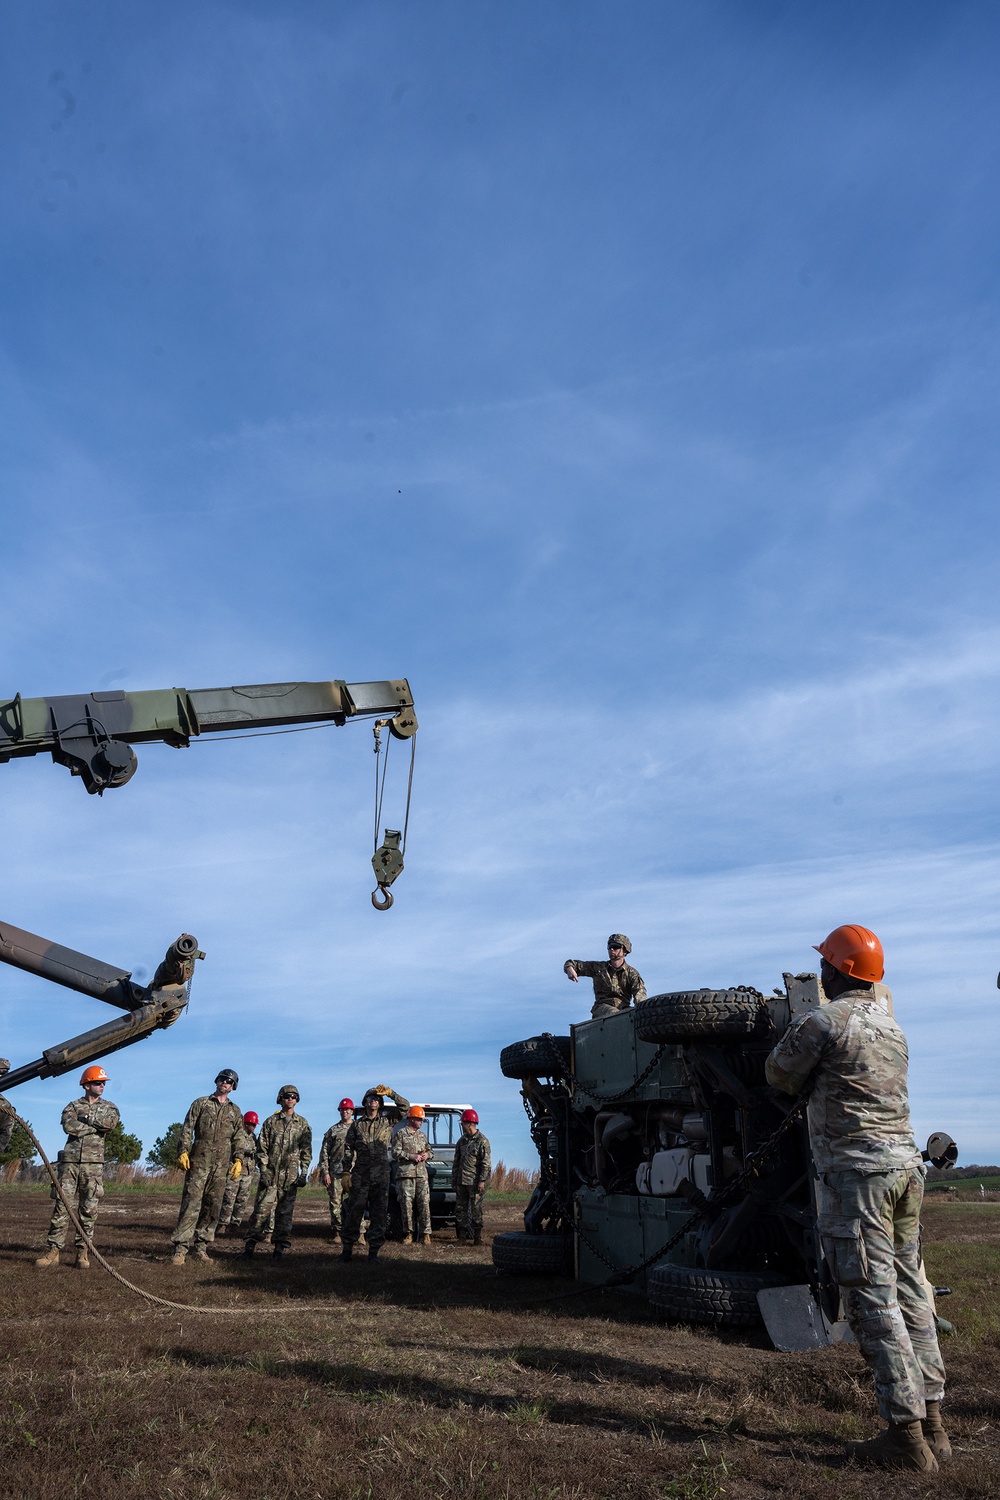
[(854, 951), (94, 1075), (415, 1112)]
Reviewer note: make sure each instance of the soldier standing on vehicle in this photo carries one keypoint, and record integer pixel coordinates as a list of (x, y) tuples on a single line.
[(86, 1122), (616, 984), (366, 1158), (852, 1057), (331, 1165), (470, 1172), (209, 1153), (240, 1190), (284, 1152), (411, 1151)]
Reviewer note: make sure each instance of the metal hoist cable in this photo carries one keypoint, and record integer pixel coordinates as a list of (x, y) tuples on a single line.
[(387, 859)]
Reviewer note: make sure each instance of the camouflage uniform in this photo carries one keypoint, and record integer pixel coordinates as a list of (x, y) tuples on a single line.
[(871, 1189), (471, 1165), (212, 1136), (239, 1191), (412, 1186), (366, 1157), (81, 1166), (284, 1151), (614, 989), (7, 1112), (331, 1159)]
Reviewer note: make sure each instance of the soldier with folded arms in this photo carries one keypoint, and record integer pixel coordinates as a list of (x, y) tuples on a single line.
[(331, 1165)]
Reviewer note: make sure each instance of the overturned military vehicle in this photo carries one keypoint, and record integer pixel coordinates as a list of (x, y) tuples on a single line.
[(670, 1168)]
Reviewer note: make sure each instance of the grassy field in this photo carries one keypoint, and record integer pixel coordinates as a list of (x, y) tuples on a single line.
[(426, 1375)]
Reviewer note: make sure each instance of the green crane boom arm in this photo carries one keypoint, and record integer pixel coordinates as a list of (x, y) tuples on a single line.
[(93, 733)]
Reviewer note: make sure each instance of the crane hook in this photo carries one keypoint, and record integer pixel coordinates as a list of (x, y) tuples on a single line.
[(381, 905)]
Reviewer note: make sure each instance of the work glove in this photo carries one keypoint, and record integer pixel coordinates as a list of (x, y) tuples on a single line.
[(383, 1089), (302, 1179), (184, 1161), (235, 1170), (345, 1181)]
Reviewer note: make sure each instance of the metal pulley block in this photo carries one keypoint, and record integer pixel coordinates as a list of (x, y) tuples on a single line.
[(387, 862)]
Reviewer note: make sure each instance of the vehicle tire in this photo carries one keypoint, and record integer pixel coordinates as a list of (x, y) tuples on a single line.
[(521, 1254), (725, 1299), (691, 1015), (535, 1058)]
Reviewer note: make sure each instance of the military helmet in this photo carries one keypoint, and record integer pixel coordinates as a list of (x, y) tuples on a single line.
[(93, 1075), (619, 940), (370, 1094), (251, 1117), (288, 1090), (228, 1075)]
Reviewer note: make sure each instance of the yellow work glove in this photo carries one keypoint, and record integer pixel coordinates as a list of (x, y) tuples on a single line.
[(235, 1170), (184, 1161), (345, 1182), (383, 1089)]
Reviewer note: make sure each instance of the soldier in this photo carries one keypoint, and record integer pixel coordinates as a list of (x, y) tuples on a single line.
[(852, 1056), (410, 1151), (210, 1145), (616, 983), (284, 1152), (8, 1114), (239, 1190), (366, 1158), (331, 1165), (86, 1122), (470, 1172)]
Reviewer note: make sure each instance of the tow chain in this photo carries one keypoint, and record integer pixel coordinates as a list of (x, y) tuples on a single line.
[(622, 1275), (188, 1307)]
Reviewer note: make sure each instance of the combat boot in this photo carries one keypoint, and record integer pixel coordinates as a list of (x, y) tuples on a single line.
[(278, 1252), (249, 1246), (200, 1252), (426, 1241), (934, 1434), (407, 1239), (477, 1236), (373, 1251), (460, 1232), (900, 1446), (82, 1258), (347, 1253), (179, 1256), (50, 1258)]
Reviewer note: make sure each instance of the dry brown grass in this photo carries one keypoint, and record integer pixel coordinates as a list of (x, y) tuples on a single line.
[(426, 1375)]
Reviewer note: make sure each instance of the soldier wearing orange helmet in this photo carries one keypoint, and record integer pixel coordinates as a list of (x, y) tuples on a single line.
[(852, 1057), (86, 1122), (411, 1150)]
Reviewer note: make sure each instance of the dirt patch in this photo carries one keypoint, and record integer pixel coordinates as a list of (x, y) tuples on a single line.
[(427, 1375)]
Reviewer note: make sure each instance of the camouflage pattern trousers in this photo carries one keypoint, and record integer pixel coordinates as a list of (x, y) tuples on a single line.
[(414, 1197), (273, 1210), (870, 1227), (369, 1194), (335, 1193), (201, 1201), (83, 1186), (236, 1199), (468, 1207)]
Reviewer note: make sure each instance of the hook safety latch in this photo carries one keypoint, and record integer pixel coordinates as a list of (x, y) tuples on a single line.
[(387, 862)]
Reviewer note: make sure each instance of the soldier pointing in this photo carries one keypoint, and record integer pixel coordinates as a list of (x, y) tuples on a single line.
[(616, 984), (852, 1056)]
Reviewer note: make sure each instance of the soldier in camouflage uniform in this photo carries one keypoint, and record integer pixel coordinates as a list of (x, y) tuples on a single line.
[(616, 984), (366, 1158), (86, 1122), (470, 1172), (7, 1111), (210, 1144), (284, 1152), (852, 1056), (241, 1189), (331, 1165), (411, 1150)]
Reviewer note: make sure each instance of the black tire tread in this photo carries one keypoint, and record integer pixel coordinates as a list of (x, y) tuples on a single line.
[(690, 1015), (534, 1058), (723, 1299), (521, 1254)]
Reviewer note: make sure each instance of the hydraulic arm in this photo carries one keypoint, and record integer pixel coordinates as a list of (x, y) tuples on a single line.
[(148, 1008)]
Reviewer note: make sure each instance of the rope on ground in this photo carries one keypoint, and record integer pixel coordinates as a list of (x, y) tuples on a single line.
[(187, 1307)]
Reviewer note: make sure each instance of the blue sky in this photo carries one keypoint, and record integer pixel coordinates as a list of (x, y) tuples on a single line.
[(623, 375)]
